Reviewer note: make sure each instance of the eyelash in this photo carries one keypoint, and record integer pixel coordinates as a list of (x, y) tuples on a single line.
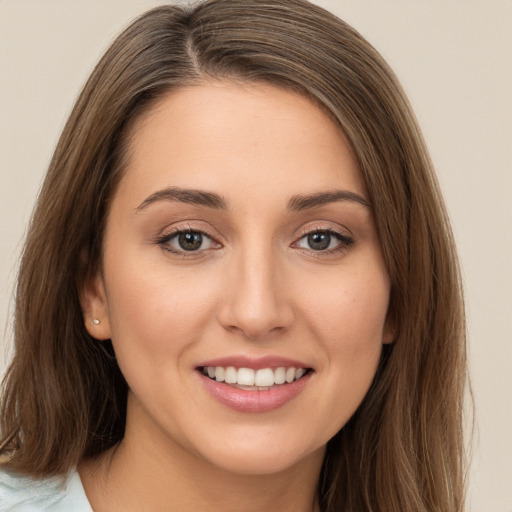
[(345, 241), (164, 240)]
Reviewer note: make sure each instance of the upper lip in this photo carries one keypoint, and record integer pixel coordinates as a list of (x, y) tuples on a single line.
[(256, 363)]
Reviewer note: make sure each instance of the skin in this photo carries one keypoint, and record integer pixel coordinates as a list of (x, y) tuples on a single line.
[(254, 288)]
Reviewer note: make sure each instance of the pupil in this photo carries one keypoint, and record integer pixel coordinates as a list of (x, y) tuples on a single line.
[(190, 241), (319, 241)]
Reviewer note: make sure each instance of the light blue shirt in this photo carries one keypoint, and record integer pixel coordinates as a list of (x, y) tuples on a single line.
[(56, 494)]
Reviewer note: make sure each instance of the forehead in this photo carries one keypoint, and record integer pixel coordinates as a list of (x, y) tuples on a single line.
[(254, 135)]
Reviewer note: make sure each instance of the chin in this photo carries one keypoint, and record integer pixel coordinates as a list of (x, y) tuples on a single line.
[(266, 457)]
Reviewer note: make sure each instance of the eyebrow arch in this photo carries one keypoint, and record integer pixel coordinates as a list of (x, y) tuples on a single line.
[(185, 195), (297, 203)]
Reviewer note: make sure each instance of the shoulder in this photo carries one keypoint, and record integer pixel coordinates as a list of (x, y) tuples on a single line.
[(56, 494)]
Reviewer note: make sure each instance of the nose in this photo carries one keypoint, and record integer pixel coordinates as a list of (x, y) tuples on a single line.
[(256, 299)]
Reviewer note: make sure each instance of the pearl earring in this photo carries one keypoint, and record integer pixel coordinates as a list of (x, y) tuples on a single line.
[(95, 321)]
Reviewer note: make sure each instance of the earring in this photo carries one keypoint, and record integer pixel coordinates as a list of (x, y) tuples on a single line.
[(95, 321)]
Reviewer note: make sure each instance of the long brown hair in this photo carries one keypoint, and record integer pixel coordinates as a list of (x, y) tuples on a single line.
[(64, 398)]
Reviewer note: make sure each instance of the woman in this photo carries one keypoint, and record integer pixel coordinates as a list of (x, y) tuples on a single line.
[(239, 290)]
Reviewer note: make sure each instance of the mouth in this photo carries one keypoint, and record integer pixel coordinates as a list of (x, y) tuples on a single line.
[(249, 379), (254, 385)]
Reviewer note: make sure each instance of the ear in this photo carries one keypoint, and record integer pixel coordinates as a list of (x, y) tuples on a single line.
[(388, 336), (93, 300), (389, 332)]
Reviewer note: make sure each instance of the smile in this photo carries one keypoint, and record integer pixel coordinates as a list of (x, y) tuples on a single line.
[(249, 379), (254, 385)]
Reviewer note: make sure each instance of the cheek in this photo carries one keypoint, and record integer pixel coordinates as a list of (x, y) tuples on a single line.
[(156, 313), (348, 321), (349, 313)]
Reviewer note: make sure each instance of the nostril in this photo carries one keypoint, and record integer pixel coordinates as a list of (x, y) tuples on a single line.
[(254, 303)]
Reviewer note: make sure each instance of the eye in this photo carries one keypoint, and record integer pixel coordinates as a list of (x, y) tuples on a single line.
[(187, 241), (325, 240)]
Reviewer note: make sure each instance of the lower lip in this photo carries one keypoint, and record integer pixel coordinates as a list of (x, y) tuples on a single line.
[(242, 400)]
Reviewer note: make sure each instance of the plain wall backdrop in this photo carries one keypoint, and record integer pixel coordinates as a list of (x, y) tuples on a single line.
[(454, 59)]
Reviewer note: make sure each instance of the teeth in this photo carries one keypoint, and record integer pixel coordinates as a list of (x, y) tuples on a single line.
[(264, 377), (247, 378), (280, 375), (219, 374), (252, 388), (230, 375)]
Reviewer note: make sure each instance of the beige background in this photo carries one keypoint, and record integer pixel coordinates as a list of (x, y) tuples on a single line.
[(454, 58)]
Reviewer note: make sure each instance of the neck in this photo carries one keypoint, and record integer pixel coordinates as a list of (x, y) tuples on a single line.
[(149, 472)]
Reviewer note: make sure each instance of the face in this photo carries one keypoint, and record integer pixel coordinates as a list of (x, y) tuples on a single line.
[(242, 279)]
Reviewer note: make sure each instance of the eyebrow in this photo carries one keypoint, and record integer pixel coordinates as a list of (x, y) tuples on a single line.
[(299, 202), (212, 200), (185, 195)]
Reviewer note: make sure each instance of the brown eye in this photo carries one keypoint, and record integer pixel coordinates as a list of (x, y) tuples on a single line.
[(324, 240), (319, 241), (187, 242), (190, 241)]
